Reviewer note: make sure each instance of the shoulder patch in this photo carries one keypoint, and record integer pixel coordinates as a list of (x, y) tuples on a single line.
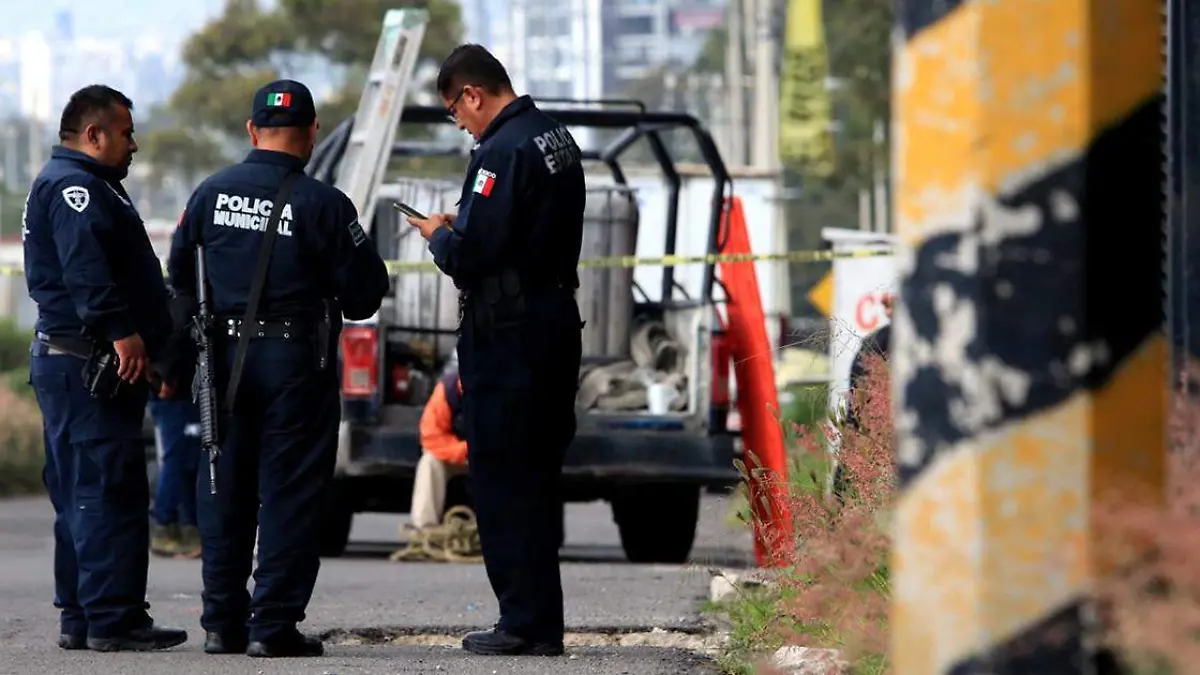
[(356, 232), (77, 197), (484, 182)]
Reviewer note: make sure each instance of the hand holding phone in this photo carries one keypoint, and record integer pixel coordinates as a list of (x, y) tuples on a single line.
[(408, 210)]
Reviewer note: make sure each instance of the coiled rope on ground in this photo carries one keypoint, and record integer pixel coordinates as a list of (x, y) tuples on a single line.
[(455, 540)]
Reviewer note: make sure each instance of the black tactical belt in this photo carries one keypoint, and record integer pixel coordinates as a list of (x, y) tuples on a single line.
[(279, 329), (60, 345), (512, 284)]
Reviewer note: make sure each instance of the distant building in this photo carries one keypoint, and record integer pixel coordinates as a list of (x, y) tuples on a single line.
[(36, 76), (590, 48), (64, 22)]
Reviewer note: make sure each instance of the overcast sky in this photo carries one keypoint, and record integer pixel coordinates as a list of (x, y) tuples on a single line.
[(111, 19)]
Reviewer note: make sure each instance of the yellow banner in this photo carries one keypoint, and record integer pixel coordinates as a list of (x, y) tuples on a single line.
[(805, 108)]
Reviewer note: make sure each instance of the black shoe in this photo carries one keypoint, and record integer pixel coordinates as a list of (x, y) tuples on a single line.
[(140, 640), (499, 643), (69, 641), (295, 645), (220, 643)]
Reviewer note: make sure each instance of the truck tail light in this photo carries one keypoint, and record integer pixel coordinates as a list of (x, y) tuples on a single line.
[(360, 372)]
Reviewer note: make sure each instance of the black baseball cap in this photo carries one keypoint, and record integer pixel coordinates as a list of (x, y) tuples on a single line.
[(283, 103)]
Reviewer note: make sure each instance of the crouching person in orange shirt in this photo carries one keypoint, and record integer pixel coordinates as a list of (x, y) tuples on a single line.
[(443, 435)]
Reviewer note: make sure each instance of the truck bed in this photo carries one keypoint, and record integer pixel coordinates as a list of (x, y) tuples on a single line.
[(606, 446)]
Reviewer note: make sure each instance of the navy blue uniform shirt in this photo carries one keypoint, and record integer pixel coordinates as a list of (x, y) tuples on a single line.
[(320, 252), (522, 203), (89, 264)]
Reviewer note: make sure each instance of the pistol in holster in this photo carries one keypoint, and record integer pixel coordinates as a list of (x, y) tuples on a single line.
[(100, 376), (100, 363)]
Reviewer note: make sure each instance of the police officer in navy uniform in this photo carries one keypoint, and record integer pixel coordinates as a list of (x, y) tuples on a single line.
[(98, 286), (279, 448), (513, 251)]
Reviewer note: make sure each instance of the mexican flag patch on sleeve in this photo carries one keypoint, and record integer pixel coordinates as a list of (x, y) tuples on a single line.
[(484, 182)]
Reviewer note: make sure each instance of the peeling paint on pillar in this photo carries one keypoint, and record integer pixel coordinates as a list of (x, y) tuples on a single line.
[(1028, 358)]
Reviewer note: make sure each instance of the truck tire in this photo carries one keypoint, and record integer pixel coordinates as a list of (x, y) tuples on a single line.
[(333, 533), (657, 521)]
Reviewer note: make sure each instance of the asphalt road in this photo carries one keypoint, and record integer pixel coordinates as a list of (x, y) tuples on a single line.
[(381, 617)]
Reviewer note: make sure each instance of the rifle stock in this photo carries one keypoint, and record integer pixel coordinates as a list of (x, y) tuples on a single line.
[(206, 381)]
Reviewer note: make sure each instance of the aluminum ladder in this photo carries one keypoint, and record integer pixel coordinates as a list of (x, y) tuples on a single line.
[(369, 147)]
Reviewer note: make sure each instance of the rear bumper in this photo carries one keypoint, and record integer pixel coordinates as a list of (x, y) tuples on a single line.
[(595, 455)]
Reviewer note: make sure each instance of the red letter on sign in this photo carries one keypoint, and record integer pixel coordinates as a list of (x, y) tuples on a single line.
[(867, 312)]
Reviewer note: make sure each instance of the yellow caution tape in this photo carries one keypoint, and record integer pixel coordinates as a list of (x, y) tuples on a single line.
[(404, 267), (401, 267)]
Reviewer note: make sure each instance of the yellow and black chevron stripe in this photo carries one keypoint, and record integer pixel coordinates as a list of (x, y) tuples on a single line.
[(791, 257), (1028, 353)]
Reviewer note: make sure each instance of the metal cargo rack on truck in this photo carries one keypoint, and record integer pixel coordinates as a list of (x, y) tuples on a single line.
[(652, 468)]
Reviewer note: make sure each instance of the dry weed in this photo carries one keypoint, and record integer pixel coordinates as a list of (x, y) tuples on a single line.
[(21, 456), (835, 591), (839, 586), (1151, 605)]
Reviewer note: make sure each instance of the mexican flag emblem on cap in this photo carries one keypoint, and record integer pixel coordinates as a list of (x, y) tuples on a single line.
[(282, 100)]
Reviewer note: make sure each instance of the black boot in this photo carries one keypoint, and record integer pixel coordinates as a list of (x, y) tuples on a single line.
[(294, 645), (140, 640), (498, 643), (222, 643), (69, 641)]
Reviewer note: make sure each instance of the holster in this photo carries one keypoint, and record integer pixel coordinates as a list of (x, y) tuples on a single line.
[(100, 376), (100, 363), (324, 335)]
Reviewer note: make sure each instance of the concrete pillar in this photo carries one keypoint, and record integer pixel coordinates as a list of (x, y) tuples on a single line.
[(1029, 356)]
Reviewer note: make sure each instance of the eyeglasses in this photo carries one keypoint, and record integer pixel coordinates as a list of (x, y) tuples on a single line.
[(450, 108)]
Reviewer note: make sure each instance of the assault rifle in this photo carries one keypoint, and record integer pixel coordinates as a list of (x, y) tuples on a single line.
[(205, 386)]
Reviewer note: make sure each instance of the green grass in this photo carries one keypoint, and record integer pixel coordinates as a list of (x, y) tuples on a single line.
[(752, 615), (808, 405), (758, 629)]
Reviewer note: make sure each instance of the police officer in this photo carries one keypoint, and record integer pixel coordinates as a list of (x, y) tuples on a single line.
[(279, 448), (99, 289), (513, 250)]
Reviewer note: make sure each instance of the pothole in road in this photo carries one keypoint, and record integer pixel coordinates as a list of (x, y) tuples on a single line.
[(709, 644)]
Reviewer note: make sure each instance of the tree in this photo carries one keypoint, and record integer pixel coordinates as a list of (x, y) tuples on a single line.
[(233, 55), (190, 153), (711, 58), (858, 56)]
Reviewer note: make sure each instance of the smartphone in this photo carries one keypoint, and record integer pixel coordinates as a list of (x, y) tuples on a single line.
[(407, 210)]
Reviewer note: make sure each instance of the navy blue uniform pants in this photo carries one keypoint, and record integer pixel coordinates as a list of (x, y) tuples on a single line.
[(520, 379), (95, 474), (178, 425), (277, 458)]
